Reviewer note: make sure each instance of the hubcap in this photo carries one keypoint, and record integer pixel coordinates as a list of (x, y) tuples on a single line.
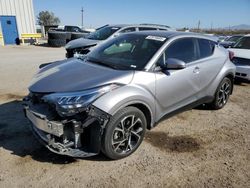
[(224, 93), (127, 134)]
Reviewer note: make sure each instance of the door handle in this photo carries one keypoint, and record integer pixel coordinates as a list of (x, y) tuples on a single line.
[(196, 70)]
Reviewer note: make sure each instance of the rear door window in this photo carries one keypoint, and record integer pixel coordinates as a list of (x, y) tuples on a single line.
[(206, 48), (182, 49), (146, 28), (243, 43), (127, 30)]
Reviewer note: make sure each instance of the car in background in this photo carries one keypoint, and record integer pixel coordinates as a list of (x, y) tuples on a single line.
[(82, 45), (105, 101), (61, 35), (70, 28), (241, 58), (221, 38), (212, 36), (230, 41)]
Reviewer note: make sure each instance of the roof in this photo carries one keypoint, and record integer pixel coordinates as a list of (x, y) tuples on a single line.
[(141, 25), (170, 34)]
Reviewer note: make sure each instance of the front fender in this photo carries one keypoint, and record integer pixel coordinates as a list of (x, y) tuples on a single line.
[(125, 96)]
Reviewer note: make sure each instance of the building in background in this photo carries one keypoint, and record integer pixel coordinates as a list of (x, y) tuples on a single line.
[(17, 21)]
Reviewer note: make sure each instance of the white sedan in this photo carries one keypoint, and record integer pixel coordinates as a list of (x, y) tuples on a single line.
[(241, 58)]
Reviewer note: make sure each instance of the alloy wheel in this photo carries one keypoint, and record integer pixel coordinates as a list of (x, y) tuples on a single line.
[(127, 134), (224, 93)]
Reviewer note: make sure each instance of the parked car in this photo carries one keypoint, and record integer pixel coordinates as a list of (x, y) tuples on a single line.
[(221, 38), (106, 100), (241, 58), (82, 46), (58, 37), (69, 28), (213, 36), (230, 41)]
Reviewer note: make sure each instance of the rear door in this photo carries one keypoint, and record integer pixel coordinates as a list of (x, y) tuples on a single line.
[(178, 88), (210, 62)]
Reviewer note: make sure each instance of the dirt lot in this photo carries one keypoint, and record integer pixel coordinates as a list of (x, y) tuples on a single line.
[(198, 148)]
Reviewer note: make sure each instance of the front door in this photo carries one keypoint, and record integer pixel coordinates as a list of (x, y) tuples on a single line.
[(178, 88), (9, 29)]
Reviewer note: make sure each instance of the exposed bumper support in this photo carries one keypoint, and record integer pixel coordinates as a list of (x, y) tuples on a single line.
[(59, 148), (54, 134)]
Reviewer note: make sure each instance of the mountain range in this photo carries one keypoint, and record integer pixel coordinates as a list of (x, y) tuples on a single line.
[(239, 27)]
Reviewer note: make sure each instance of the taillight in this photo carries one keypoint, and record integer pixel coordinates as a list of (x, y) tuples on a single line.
[(231, 55)]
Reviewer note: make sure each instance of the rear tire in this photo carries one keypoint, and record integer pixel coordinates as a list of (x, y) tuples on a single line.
[(57, 35), (222, 94), (124, 133)]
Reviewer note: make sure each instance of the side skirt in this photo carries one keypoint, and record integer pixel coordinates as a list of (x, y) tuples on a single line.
[(185, 108)]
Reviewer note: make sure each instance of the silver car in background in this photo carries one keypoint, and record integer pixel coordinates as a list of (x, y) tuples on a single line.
[(106, 100), (81, 46)]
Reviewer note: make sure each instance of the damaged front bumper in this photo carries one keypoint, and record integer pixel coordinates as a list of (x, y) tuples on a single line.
[(71, 137)]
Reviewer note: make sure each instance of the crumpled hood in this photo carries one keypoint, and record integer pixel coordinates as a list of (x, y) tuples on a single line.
[(81, 42), (242, 53), (76, 75)]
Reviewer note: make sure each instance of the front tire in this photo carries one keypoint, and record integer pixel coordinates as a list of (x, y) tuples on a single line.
[(124, 133), (222, 94)]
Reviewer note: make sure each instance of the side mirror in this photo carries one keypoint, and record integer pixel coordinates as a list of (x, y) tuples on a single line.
[(172, 63)]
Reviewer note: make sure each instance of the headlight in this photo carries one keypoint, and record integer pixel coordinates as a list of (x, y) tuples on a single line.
[(68, 104)]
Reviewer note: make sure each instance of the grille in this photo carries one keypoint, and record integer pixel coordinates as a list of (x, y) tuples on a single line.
[(241, 74), (38, 105), (36, 98)]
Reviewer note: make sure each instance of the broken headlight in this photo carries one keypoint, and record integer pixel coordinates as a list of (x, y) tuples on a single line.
[(70, 103)]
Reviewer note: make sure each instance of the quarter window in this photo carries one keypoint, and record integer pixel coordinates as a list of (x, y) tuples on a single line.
[(182, 49), (206, 48)]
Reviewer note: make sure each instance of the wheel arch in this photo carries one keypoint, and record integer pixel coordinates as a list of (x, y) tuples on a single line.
[(125, 96), (146, 111), (231, 77)]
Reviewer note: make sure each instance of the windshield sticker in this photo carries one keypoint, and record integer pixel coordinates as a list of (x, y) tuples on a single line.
[(156, 38), (114, 28), (133, 66)]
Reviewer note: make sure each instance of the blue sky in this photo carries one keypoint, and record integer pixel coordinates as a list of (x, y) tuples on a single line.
[(176, 13)]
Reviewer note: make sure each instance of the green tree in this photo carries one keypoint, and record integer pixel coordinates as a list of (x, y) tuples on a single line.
[(47, 18)]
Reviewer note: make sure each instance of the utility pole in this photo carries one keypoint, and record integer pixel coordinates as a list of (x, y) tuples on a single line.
[(82, 16), (211, 26), (199, 23)]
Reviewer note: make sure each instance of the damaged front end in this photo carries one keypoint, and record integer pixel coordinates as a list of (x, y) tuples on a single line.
[(66, 128)]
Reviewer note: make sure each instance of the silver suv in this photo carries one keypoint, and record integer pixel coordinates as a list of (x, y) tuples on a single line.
[(106, 100), (83, 45)]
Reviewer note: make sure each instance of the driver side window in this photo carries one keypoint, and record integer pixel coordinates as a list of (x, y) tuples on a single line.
[(182, 49)]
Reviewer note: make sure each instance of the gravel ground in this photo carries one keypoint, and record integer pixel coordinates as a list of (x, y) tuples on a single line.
[(197, 148)]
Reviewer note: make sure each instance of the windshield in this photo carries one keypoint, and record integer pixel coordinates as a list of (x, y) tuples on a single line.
[(244, 43), (127, 52), (103, 33), (233, 39)]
